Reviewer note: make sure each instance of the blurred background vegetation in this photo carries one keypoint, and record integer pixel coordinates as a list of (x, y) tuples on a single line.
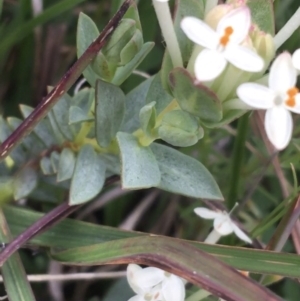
[(36, 49)]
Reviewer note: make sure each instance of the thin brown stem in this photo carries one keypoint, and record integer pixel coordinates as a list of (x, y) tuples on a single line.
[(63, 85), (47, 221)]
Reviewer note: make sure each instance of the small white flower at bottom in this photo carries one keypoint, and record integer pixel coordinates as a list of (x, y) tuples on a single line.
[(223, 224), (153, 284), (222, 45), (281, 97), (296, 59)]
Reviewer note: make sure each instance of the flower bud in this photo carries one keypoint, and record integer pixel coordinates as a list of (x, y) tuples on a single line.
[(215, 15), (180, 128), (263, 43), (122, 35)]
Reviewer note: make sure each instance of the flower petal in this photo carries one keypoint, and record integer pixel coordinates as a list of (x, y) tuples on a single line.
[(206, 213), (255, 95), (239, 20), (296, 59), (137, 298), (243, 58), (173, 289), (223, 225), (283, 74), (148, 277), (209, 64), (240, 234), (296, 108), (132, 269), (199, 32), (279, 126)]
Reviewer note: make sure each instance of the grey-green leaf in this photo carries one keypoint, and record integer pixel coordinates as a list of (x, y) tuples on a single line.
[(139, 166), (89, 176), (66, 165), (77, 115), (134, 101), (61, 115), (124, 72), (184, 175), (110, 107), (24, 183), (42, 129), (158, 94), (194, 97), (148, 117), (87, 32)]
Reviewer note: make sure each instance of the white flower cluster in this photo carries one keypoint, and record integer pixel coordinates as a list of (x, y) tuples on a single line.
[(153, 284), (226, 45)]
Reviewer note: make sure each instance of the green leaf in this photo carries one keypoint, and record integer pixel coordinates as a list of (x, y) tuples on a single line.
[(191, 8), (61, 115), (15, 280), (131, 48), (46, 166), (118, 40), (148, 118), (133, 13), (194, 97), (228, 117), (180, 128), (32, 143), (134, 101), (25, 181), (87, 32), (71, 234), (43, 129), (54, 158), (262, 13), (110, 107), (56, 130), (124, 72), (66, 165), (184, 175), (139, 167), (84, 99), (77, 115), (196, 266), (158, 94), (88, 178), (6, 189), (17, 154)]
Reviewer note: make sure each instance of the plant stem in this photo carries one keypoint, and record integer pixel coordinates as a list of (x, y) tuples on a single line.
[(63, 85), (237, 160), (288, 29), (43, 224), (164, 17)]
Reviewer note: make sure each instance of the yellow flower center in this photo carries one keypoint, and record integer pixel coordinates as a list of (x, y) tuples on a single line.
[(291, 101), (225, 38)]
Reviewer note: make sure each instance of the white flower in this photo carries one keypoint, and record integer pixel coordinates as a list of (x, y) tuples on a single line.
[(153, 284), (296, 59), (222, 223), (278, 99), (223, 44)]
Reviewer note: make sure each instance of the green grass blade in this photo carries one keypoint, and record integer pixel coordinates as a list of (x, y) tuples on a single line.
[(15, 280), (176, 257), (72, 234)]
